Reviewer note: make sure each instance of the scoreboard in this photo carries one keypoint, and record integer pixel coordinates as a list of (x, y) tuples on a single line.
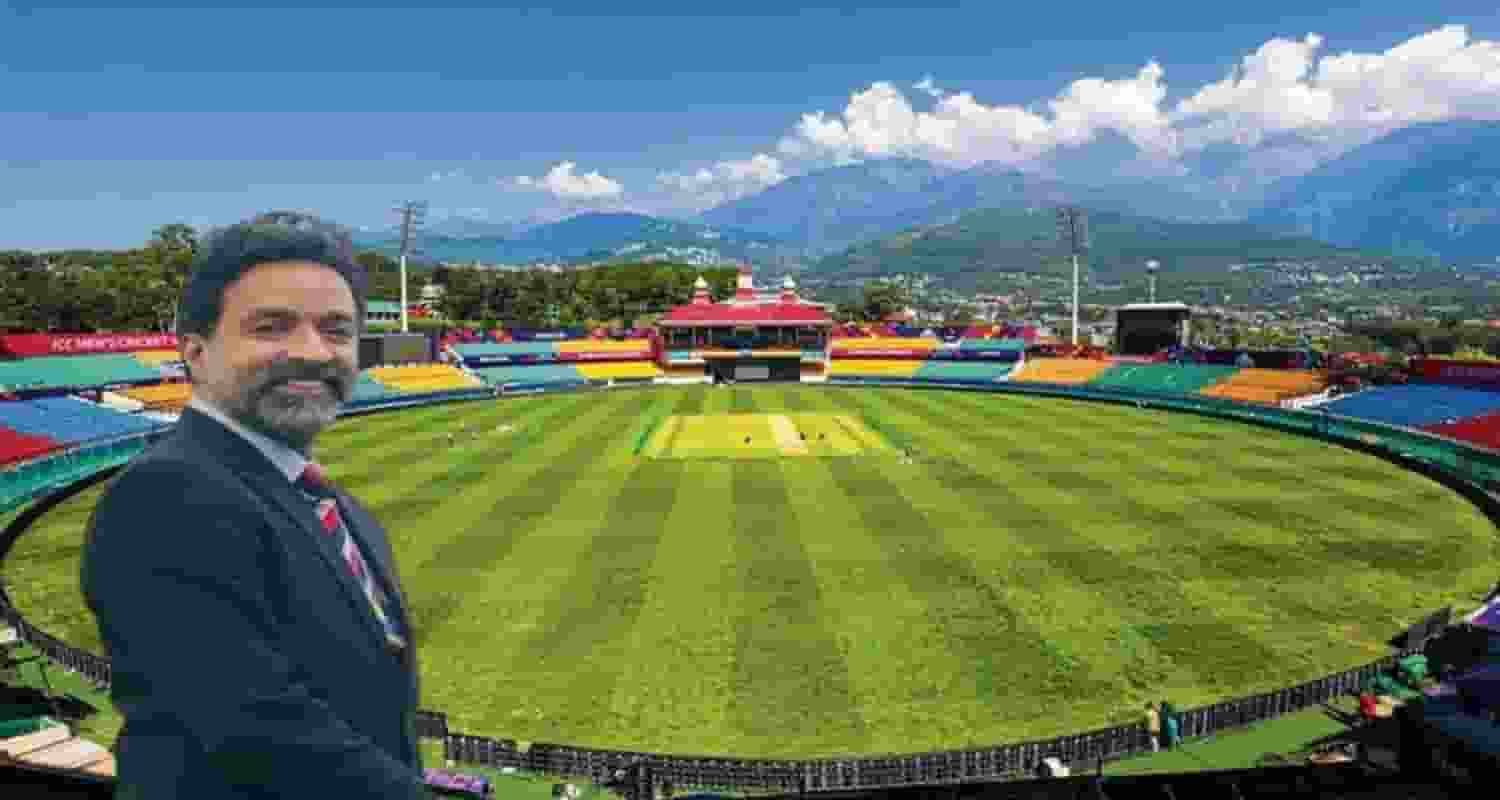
[(1143, 329), (395, 348)]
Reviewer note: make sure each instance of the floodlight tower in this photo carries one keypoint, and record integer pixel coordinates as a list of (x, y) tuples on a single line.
[(1072, 228), (1151, 267), (411, 218)]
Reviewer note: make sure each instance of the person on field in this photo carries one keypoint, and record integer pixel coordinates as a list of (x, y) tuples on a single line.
[(1170, 724), (1153, 726), (252, 610)]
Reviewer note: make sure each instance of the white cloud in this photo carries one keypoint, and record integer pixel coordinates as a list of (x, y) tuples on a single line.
[(724, 181), (449, 176), (565, 184), (1284, 88)]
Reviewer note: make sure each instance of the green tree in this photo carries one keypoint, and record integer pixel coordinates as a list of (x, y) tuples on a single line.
[(881, 300)]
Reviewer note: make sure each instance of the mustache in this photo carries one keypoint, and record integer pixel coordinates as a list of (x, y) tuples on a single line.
[(334, 375)]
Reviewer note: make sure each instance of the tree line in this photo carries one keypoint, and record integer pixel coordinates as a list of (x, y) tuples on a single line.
[(88, 291)]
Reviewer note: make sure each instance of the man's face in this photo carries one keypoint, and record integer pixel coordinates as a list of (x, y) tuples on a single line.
[(283, 357)]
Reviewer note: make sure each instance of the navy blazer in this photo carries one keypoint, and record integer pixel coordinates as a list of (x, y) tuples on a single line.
[(247, 661)]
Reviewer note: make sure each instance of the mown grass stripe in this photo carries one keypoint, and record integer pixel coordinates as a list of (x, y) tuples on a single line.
[(789, 674), (1139, 588), (682, 653), (589, 622)]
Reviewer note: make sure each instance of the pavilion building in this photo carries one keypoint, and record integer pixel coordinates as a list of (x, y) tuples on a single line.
[(747, 337)]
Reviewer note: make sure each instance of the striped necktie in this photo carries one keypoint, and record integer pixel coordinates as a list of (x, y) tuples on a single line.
[(319, 491)]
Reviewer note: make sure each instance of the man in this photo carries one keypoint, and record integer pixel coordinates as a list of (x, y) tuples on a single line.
[(260, 644)]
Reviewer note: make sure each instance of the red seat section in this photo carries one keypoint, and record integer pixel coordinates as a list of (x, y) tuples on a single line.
[(1483, 430), (16, 446)]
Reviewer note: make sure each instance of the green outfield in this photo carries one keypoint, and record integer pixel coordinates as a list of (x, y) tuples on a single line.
[(621, 569)]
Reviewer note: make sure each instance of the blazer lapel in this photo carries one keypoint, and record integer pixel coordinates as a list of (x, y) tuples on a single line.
[(223, 445)]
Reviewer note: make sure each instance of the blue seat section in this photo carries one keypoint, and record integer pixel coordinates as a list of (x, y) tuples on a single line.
[(480, 355), (1415, 405), (69, 420), (531, 375)]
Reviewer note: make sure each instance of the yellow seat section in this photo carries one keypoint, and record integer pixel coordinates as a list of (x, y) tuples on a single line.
[(874, 367), (1060, 370), (604, 346), (883, 343), (161, 397), (422, 378), (1269, 386), (155, 358), (623, 370)]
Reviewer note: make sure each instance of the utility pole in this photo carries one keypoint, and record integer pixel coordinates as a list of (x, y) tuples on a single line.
[(411, 218), (1072, 228)]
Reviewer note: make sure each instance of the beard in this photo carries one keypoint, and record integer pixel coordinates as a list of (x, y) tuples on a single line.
[(264, 403)]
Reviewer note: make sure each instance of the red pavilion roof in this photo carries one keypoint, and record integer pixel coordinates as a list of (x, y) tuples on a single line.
[(769, 313)]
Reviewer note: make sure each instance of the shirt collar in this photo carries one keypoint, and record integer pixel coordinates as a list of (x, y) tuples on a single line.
[(287, 461)]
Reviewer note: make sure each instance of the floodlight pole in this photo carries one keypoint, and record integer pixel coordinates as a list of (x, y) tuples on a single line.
[(1075, 298), (1072, 224), (411, 218)]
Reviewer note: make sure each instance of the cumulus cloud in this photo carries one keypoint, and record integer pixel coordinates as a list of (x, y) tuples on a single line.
[(562, 182), (1326, 104), (724, 181)]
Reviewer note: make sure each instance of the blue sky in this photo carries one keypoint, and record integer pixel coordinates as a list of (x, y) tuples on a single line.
[(115, 120)]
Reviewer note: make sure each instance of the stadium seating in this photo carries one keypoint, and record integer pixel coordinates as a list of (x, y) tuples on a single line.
[(422, 378), (155, 358), (1166, 378), (468, 351), (1070, 371), (991, 345), (170, 397), (1270, 386), (68, 420), (895, 343), (369, 390), (618, 370), (876, 368), (1417, 405), (604, 346), (532, 376), (16, 446), (1483, 430), (65, 372), (963, 371)]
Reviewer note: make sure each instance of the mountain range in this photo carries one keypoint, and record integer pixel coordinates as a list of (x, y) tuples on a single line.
[(991, 241), (585, 238), (828, 210), (1428, 190)]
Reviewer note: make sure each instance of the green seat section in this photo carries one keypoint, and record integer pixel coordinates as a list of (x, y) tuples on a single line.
[(991, 345), (530, 375), (963, 371), (50, 372), (1172, 378), (368, 389)]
